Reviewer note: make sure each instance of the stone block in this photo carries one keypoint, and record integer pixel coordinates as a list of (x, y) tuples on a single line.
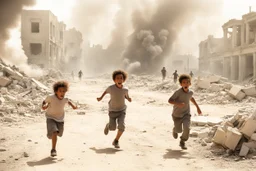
[(220, 136), (205, 120), (4, 81), (250, 91), (233, 137), (253, 137), (204, 84), (248, 127), (237, 93), (244, 150), (227, 86), (214, 79)]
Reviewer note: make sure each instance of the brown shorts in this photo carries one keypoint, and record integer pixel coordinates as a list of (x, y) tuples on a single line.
[(54, 126), (117, 117)]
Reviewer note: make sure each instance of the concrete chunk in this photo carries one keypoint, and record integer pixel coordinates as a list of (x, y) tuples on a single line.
[(39, 84), (236, 92), (4, 81), (233, 137), (248, 127), (204, 84), (214, 79), (253, 137), (205, 120), (250, 91), (220, 136), (14, 74), (215, 87), (246, 147)]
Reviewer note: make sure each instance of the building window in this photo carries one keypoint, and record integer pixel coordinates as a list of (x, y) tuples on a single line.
[(35, 48), (35, 27)]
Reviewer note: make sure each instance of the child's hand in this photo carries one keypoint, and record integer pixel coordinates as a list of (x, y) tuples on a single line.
[(199, 111), (129, 99), (75, 107), (99, 99), (180, 105)]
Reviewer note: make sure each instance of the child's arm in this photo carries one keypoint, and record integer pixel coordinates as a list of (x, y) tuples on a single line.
[(178, 104), (100, 98), (128, 97), (72, 105), (197, 107), (44, 105)]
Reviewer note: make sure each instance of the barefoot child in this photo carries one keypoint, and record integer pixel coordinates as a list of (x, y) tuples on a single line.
[(181, 109), (117, 107), (54, 106)]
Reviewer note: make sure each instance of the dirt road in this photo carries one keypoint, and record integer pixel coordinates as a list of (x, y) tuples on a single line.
[(147, 143)]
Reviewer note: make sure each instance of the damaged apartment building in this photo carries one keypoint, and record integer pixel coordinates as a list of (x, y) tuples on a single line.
[(234, 55), (42, 38)]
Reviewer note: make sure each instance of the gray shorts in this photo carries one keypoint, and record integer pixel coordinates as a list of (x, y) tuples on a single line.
[(54, 126), (117, 117), (181, 124)]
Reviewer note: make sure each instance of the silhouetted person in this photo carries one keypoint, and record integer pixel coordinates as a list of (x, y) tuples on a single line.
[(191, 74), (80, 74), (163, 71), (175, 76)]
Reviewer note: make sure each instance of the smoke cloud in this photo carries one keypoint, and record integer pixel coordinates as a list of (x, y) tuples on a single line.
[(11, 50), (154, 35)]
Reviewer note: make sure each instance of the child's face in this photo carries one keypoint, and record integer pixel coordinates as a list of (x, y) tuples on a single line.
[(60, 93), (119, 79), (185, 83)]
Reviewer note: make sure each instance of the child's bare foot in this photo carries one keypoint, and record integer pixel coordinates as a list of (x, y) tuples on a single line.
[(53, 152), (106, 129), (116, 143)]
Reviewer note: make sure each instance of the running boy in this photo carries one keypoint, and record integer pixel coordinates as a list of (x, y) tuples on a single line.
[(55, 112), (181, 109), (117, 107)]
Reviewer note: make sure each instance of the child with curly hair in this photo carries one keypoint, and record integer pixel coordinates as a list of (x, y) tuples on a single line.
[(117, 107), (54, 106)]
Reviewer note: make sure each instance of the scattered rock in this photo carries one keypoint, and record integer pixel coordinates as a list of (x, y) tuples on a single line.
[(2, 149), (26, 154)]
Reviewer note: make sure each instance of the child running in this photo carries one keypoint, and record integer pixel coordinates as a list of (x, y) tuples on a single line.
[(54, 106), (181, 109), (117, 107)]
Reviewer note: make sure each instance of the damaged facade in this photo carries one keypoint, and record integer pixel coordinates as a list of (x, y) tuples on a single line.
[(42, 38), (72, 47), (234, 55)]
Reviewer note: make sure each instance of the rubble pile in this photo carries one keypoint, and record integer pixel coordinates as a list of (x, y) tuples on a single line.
[(236, 133), (217, 90), (21, 96)]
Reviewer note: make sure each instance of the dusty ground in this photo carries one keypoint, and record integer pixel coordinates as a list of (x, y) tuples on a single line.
[(147, 143)]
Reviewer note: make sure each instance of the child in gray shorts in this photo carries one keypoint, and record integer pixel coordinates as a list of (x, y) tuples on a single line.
[(117, 107), (181, 109), (54, 106)]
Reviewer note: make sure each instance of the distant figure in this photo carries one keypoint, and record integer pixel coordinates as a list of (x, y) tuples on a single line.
[(175, 76), (191, 74), (72, 74), (80, 74), (163, 71)]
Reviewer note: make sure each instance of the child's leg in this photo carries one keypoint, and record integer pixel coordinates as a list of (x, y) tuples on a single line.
[(121, 124), (177, 124), (186, 128), (112, 121), (54, 140)]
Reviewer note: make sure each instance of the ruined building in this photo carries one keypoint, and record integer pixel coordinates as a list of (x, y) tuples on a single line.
[(72, 47), (42, 38), (234, 55)]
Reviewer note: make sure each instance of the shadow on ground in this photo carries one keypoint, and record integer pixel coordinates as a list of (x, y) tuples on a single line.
[(105, 150), (176, 154), (44, 161)]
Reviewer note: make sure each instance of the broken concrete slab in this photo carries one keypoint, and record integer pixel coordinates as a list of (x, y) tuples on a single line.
[(250, 91), (2, 100), (237, 93), (220, 136), (253, 137), (205, 120), (4, 81), (215, 87), (233, 137), (204, 84), (214, 79), (12, 73), (39, 84), (248, 127)]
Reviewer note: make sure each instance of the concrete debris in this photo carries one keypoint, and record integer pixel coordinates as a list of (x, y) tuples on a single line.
[(246, 147), (249, 126), (206, 120), (250, 91), (220, 136), (4, 81), (237, 93), (214, 79), (204, 84), (232, 138)]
